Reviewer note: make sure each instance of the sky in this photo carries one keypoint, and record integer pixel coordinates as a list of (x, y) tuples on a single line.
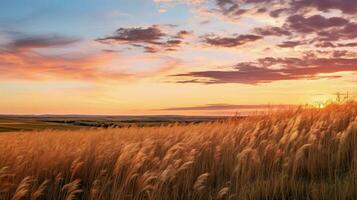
[(192, 57)]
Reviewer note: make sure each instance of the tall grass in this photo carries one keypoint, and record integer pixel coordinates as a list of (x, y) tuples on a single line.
[(296, 154)]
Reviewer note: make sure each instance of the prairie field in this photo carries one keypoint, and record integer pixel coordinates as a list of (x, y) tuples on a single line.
[(301, 153)]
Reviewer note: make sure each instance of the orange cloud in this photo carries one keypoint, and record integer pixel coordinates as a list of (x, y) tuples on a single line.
[(267, 70), (28, 64)]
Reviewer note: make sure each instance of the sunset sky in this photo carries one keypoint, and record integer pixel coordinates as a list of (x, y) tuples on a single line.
[(195, 57)]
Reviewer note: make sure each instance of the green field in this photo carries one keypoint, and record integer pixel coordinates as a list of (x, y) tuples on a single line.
[(10, 123)]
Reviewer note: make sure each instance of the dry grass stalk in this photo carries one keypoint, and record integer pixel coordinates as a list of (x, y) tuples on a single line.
[(293, 154)]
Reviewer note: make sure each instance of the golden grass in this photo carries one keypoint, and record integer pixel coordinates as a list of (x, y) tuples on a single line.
[(296, 154)]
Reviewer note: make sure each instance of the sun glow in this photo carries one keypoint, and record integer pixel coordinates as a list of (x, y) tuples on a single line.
[(320, 101)]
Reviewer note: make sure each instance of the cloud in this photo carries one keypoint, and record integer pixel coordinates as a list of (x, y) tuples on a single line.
[(325, 44), (351, 44), (273, 11), (347, 32), (276, 13), (29, 65), (314, 23), (236, 9), (301, 21), (300, 15), (41, 41), (183, 34), (227, 107), (346, 6), (274, 8), (152, 39), (270, 69), (230, 7), (150, 35), (343, 53), (150, 49), (316, 29), (179, 1), (289, 44), (295, 23), (271, 31), (239, 40), (20, 60), (233, 8)]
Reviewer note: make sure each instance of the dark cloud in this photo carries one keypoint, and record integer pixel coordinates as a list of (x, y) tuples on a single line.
[(346, 6), (302, 25), (150, 35), (227, 107), (262, 70), (314, 23), (276, 13), (294, 11), (258, 1), (182, 34), (24, 41), (351, 44), (323, 32), (262, 10), (229, 7), (151, 39), (150, 49), (344, 33), (174, 42), (338, 54), (325, 44), (234, 8), (170, 45), (230, 41), (272, 31), (343, 53), (299, 23), (290, 44)]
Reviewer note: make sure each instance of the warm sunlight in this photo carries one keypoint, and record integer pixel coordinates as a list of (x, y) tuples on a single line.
[(320, 101), (152, 56)]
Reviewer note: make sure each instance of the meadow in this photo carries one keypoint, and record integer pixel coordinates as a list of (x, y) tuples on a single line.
[(13, 123), (301, 153)]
